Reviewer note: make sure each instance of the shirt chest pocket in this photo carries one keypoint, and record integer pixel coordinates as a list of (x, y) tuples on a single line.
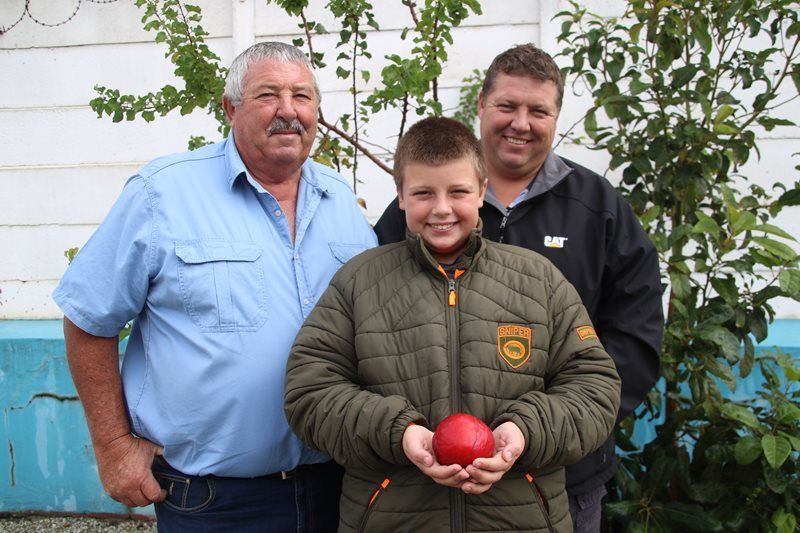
[(344, 252), (222, 284)]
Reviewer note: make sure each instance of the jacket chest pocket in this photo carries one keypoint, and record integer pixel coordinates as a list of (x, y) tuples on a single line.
[(222, 284)]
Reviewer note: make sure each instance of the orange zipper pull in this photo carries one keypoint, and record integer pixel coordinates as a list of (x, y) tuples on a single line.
[(451, 285)]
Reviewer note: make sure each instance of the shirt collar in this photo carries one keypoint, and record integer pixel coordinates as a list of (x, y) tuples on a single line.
[(233, 161), (236, 168), (552, 172)]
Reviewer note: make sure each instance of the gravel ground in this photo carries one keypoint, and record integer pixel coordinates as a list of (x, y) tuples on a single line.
[(73, 524)]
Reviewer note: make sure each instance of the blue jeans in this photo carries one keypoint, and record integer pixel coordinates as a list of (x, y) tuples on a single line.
[(306, 500), (586, 510)]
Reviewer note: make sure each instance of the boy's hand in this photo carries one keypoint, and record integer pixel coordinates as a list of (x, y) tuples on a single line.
[(418, 448), (484, 472)]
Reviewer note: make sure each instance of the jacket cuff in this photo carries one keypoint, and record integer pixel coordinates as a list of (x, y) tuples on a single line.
[(401, 423)]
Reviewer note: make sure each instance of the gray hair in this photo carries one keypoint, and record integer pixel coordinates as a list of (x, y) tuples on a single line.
[(234, 82)]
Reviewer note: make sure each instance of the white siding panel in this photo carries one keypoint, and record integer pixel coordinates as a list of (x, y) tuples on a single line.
[(70, 195), (272, 20), (116, 22), (74, 135), (66, 76), (29, 300), (39, 251)]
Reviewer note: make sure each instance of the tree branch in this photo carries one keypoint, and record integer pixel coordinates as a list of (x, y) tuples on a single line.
[(360, 147), (410, 4), (308, 37)]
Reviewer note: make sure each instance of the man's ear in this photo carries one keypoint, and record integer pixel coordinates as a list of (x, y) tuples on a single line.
[(400, 200), (480, 104), (484, 186), (229, 108)]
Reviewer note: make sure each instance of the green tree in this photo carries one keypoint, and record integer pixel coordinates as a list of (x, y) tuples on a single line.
[(408, 84), (681, 89)]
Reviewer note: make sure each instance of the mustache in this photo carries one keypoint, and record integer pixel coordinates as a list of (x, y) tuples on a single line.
[(279, 124)]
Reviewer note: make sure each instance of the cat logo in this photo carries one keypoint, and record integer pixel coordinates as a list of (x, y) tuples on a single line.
[(554, 242), (514, 344)]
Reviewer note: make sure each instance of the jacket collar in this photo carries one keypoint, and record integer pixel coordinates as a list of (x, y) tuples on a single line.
[(474, 248)]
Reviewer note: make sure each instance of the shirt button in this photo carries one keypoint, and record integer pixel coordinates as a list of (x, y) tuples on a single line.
[(296, 257), (278, 212), (305, 302)]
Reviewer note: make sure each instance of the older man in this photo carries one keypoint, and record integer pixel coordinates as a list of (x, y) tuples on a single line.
[(575, 218), (219, 254)]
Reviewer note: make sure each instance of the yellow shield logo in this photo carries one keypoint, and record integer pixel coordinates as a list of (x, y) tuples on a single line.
[(514, 344)]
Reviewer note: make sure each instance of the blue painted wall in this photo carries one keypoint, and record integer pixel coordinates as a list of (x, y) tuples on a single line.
[(46, 458)]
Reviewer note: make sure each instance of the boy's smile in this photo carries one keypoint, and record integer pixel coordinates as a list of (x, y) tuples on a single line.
[(441, 204)]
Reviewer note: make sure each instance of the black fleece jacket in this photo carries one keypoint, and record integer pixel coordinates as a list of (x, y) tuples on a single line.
[(585, 227)]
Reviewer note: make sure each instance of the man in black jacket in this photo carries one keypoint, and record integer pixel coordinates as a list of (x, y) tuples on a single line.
[(575, 218)]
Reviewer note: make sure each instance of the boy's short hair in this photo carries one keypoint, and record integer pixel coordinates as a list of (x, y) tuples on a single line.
[(436, 141), (525, 60)]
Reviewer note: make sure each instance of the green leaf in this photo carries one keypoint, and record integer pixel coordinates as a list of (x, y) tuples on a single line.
[(659, 474), (790, 282), (775, 479), (723, 113), (788, 412), (790, 368), (747, 362), (590, 123), (638, 87), (650, 215), (790, 197), (725, 129), (745, 222), (634, 32), (747, 450), (774, 230), (683, 75), (785, 522), (758, 325), (726, 287), (740, 414), (793, 439), (691, 517), (705, 224), (722, 337), (776, 449), (681, 285), (722, 371), (776, 248), (707, 491)]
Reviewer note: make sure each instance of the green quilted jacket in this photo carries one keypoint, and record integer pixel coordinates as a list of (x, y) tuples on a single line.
[(393, 341)]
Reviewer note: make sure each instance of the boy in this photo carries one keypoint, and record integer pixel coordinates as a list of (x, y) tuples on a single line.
[(448, 322)]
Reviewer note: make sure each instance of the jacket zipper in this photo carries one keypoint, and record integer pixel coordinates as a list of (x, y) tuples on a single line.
[(502, 228), (541, 501), (372, 502), (457, 504)]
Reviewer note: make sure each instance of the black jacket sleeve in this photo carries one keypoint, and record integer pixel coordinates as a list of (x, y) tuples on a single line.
[(391, 227), (630, 320)]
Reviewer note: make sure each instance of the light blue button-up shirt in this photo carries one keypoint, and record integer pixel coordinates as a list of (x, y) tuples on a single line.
[(201, 255)]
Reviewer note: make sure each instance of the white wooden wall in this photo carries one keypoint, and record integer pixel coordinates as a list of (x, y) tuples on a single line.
[(61, 167)]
